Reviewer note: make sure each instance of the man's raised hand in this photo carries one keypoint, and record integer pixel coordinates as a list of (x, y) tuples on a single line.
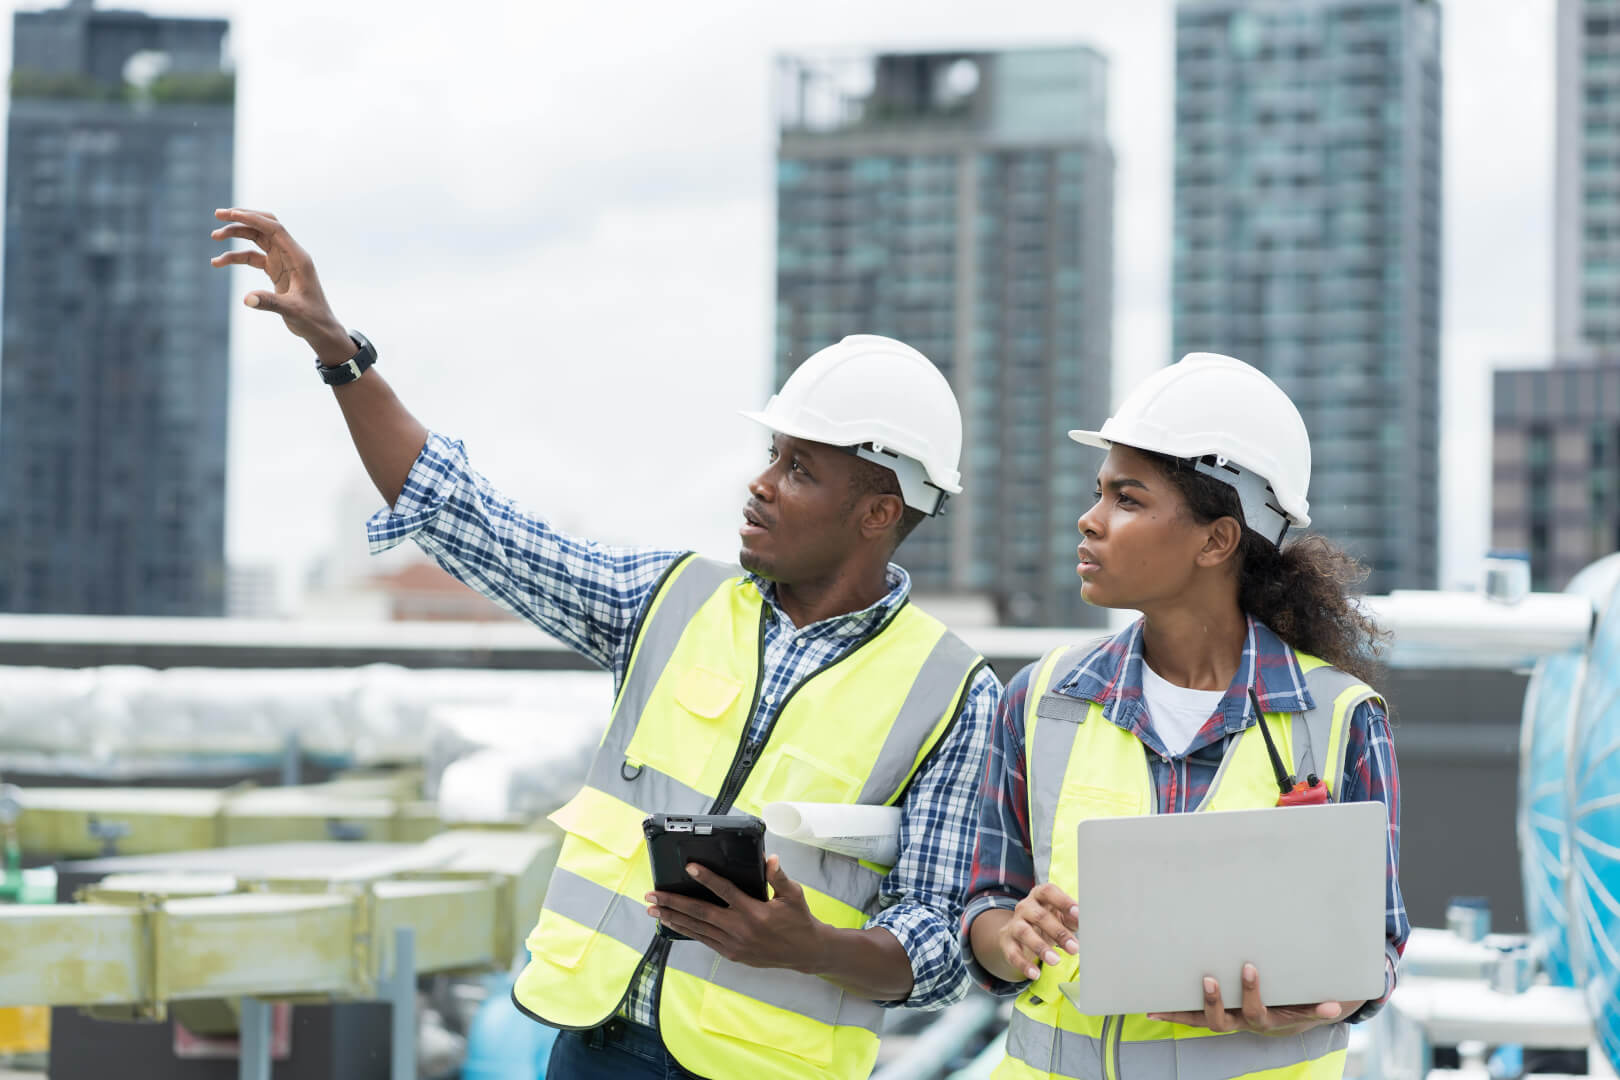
[(297, 297)]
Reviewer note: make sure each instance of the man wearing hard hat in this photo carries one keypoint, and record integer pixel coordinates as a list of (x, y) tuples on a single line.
[(803, 674)]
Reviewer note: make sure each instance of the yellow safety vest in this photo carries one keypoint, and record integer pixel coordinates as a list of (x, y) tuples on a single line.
[(1083, 766), (855, 731)]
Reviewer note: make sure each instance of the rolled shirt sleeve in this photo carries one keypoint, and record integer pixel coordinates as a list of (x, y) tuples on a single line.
[(1003, 870), (923, 893), (582, 592)]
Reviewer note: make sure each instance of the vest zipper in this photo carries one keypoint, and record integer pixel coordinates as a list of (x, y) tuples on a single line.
[(1111, 1046), (742, 763), (748, 752)]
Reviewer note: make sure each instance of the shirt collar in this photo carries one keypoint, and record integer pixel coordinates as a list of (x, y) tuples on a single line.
[(1111, 676), (895, 577)]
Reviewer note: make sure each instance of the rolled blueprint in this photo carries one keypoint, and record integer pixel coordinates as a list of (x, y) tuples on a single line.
[(862, 832)]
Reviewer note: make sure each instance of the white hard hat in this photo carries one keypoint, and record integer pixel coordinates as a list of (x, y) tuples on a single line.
[(1234, 422), (883, 399)]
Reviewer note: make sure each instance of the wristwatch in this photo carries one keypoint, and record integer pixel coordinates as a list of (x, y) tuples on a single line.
[(352, 368)]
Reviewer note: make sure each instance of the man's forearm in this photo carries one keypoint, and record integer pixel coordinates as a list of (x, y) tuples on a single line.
[(387, 436), (871, 963)]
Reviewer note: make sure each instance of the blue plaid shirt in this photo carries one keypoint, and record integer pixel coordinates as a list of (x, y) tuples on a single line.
[(588, 595)]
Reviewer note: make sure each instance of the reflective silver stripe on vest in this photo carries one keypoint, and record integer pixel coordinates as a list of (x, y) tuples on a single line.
[(681, 599), (1313, 731), (621, 918), (806, 995), (1056, 728), (1211, 1057), (647, 789), (839, 876), (932, 692), (1222, 1057)]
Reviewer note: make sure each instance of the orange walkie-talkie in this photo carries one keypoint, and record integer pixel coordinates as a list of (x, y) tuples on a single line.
[(1307, 792)]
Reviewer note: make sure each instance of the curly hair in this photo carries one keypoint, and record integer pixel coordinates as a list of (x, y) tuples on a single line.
[(1302, 591)]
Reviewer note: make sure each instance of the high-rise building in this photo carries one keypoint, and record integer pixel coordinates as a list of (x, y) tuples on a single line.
[(1586, 236), (113, 373), (963, 203), (1556, 467), (1307, 242)]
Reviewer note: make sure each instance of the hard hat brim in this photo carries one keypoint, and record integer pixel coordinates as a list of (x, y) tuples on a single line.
[(1090, 438), (795, 431), (792, 431)]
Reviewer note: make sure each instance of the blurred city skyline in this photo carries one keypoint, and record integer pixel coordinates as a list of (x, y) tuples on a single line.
[(557, 226)]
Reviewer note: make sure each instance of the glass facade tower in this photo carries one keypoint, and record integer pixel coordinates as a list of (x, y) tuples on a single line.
[(113, 374), (1307, 242), (963, 203)]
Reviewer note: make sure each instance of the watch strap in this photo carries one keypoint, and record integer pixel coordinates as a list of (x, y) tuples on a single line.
[(352, 368)]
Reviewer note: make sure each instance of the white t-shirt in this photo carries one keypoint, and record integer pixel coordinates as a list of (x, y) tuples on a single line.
[(1177, 712)]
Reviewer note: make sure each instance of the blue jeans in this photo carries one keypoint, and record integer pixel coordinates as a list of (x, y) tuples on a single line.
[(618, 1050)]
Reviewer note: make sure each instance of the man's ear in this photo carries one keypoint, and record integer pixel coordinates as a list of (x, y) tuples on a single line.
[(1221, 542), (882, 514)]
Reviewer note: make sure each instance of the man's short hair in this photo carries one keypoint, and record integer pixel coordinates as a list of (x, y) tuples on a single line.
[(870, 478)]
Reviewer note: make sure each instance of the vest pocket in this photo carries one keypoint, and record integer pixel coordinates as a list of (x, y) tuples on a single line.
[(604, 845), (705, 692), (737, 1016), (799, 776), (1084, 801), (560, 940), (679, 741)]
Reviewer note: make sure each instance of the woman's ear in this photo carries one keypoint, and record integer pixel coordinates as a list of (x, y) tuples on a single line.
[(1221, 545)]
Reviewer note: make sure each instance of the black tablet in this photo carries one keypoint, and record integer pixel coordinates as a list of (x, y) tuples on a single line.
[(731, 845)]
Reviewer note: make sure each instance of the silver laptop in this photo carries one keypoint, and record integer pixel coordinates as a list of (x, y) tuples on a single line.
[(1167, 899)]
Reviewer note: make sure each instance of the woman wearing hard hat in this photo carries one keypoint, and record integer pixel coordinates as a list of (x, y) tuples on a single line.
[(1207, 469)]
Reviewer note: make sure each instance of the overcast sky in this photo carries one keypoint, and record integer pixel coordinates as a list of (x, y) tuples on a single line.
[(555, 222)]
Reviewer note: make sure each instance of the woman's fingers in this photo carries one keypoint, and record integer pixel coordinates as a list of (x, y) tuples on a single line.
[(1059, 903)]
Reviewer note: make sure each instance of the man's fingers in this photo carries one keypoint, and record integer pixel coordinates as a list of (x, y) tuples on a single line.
[(264, 301), (240, 258), (701, 932), (777, 877), (701, 910), (242, 232), (265, 223), (716, 884)]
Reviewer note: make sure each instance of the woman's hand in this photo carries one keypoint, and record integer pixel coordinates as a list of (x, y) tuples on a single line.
[(1039, 930), (1255, 1017)]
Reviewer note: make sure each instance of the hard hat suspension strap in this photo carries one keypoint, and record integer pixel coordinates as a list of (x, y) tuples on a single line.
[(1260, 510), (914, 486)]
